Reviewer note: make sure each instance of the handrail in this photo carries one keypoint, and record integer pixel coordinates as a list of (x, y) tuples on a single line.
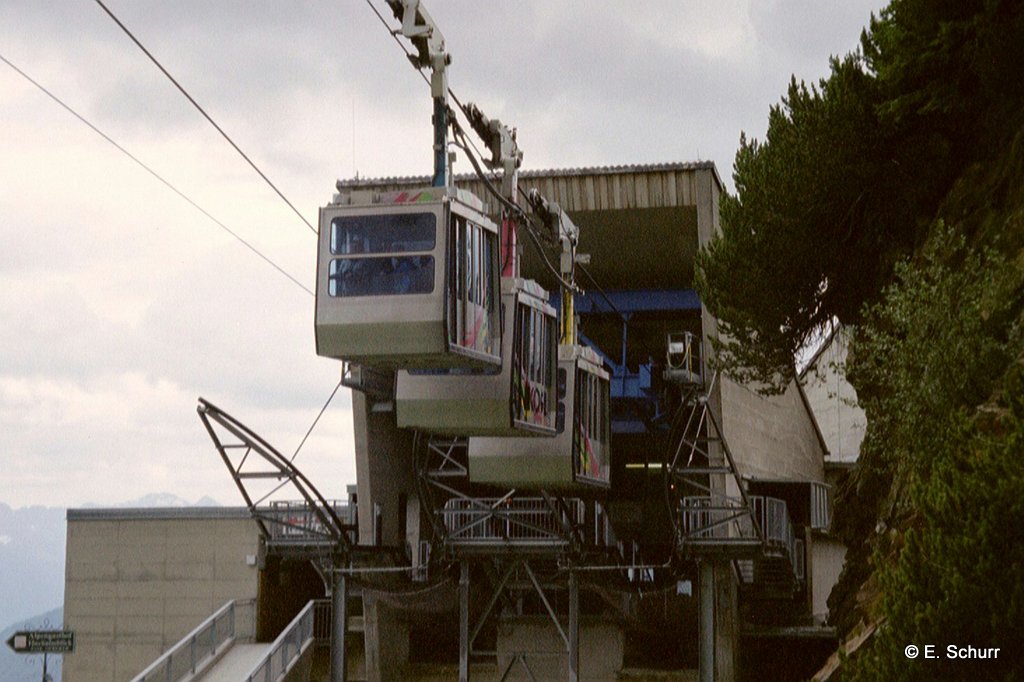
[(288, 647), (297, 522), (704, 521), (523, 520), (195, 649)]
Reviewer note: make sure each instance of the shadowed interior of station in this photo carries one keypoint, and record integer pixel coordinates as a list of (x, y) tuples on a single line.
[(630, 248), (285, 587)]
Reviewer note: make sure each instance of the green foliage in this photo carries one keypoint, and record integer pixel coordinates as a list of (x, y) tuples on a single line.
[(790, 251), (837, 216), (959, 578), (933, 349), (851, 174), (936, 343), (951, 63)]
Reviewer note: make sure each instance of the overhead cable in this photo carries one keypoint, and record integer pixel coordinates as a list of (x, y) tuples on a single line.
[(205, 115), (398, 41), (155, 175), (516, 209), (315, 421), (464, 143), (601, 291)]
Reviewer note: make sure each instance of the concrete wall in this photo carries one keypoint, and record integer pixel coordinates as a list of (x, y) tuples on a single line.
[(834, 401), (386, 640), (771, 437), (601, 649), (137, 581), (826, 562)]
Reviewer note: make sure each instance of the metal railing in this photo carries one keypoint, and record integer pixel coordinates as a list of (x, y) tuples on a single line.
[(322, 624), (704, 519), (201, 646), (520, 521), (288, 647), (296, 522)]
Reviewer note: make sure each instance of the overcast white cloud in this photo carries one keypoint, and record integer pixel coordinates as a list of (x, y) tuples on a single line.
[(120, 304)]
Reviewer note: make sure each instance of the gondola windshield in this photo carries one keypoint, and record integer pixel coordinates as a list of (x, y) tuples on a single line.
[(379, 254)]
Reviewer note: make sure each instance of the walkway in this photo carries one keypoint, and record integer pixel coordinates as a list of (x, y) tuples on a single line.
[(238, 662)]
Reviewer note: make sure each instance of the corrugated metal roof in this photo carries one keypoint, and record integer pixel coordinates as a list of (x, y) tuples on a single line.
[(360, 183)]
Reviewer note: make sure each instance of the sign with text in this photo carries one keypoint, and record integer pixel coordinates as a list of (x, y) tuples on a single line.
[(42, 641)]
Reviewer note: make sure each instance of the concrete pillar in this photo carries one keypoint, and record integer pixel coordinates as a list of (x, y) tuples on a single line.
[(386, 639), (339, 628), (385, 470), (574, 627), (464, 622), (706, 621), (727, 626), (718, 621)]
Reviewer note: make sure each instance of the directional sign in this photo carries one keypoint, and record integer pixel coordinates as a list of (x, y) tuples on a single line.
[(42, 641)]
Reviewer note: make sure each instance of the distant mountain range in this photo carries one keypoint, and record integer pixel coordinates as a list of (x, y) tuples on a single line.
[(156, 500), (32, 545)]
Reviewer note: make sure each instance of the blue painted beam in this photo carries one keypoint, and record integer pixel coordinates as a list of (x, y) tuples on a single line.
[(629, 301)]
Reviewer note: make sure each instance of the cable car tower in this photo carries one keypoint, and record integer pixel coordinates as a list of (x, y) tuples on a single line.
[(419, 293)]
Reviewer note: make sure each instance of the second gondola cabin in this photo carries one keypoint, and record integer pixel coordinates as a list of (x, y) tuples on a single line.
[(408, 280), (577, 456), (518, 400)]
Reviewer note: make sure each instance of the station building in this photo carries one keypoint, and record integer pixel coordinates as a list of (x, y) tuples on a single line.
[(704, 546)]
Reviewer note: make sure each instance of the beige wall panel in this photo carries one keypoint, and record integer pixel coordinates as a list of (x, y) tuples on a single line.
[(137, 581), (771, 437)]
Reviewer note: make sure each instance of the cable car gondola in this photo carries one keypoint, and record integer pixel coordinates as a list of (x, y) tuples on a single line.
[(518, 400), (408, 280), (579, 455)]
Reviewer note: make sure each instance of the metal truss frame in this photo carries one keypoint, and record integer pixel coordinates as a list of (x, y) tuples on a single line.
[(319, 526), (442, 465), (721, 521), (517, 576)]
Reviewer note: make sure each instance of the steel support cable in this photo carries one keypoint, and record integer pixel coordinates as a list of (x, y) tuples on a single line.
[(296, 453), (512, 206), (455, 126), (465, 144), (156, 175), (205, 115), (316, 421), (394, 34), (604, 294), (460, 141)]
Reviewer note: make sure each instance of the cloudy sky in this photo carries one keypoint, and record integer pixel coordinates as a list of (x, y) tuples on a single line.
[(120, 304)]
